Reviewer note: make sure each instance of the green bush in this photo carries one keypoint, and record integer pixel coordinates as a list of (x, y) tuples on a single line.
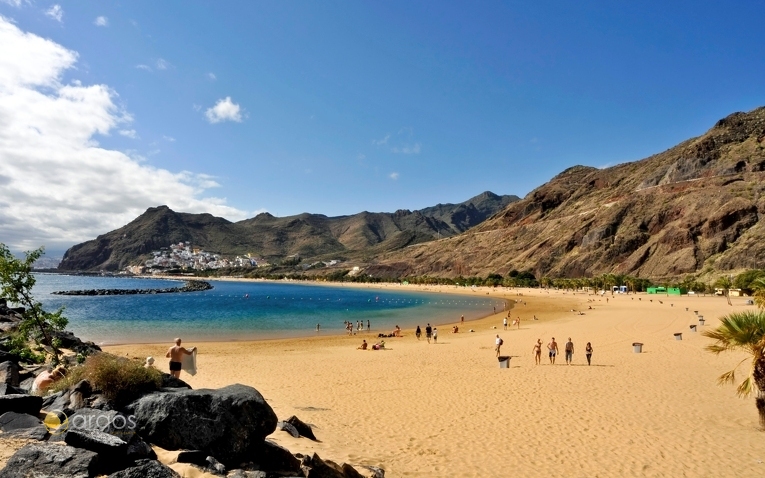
[(119, 379)]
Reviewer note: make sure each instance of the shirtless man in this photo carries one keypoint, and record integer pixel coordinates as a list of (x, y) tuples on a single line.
[(553, 348), (175, 354), (569, 351)]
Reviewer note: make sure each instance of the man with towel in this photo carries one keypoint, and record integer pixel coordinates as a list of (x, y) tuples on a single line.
[(175, 354)]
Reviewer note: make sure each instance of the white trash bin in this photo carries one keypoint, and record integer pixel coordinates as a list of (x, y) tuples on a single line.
[(701, 320), (678, 336), (637, 347), (693, 328), (504, 361)]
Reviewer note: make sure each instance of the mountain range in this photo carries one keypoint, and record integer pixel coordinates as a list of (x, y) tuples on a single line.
[(696, 208), (312, 236)]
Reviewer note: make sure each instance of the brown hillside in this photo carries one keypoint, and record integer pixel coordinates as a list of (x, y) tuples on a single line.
[(693, 208)]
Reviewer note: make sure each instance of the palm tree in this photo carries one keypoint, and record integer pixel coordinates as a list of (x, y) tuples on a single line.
[(743, 331), (725, 284), (758, 285)]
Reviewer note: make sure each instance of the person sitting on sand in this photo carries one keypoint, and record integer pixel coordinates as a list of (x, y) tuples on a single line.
[(455, 329), (396, 332), (175, 354), (363, 345), (149, 362), (46, 379)]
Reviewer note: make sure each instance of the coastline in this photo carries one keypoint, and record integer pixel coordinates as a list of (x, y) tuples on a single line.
[(449, 410)]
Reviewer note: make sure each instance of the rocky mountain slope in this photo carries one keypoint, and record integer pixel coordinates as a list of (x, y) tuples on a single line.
[(694, 208), (359, 236)]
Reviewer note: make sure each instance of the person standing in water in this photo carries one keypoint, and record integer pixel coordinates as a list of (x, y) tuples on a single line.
[(588, 352)]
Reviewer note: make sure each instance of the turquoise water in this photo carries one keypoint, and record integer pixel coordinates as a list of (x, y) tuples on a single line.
[(271, 310)]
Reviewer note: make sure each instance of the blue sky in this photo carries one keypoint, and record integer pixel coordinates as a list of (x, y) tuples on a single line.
[(339, 107)]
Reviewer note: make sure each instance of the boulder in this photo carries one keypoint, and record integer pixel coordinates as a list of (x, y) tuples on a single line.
[(168, 381), (20, 403), (247, 474), (50, 460), (8, 357), (195, 457), (303, 428), (315, 467), (286, 427), (108, 447), (274, 458), (26, 384), (71, 342), (227, 423), (146, 469), (58, 401), (21, 425), (9, 373), (115, 424), (6, 389)]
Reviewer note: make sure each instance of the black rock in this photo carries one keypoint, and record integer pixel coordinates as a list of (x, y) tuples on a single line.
[(227, 423), (274, 458), (26, 384), (20, 403), (9, 373), (21, 425), (106, 445), (303, 428), (247, 474), (70, 341), (6, 389), (318, 468), (195, 457), (50, 460), (146, 469), (8, 357), (115, 424), (58, 401), (214, 466), (286, 427), (168, 381)]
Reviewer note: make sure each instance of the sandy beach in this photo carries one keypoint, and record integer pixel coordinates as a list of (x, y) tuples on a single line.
[(447, 409)]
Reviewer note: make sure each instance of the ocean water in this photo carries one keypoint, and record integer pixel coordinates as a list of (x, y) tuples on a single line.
[(235, 310)]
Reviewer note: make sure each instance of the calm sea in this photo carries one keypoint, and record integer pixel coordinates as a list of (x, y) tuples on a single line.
[(244, 310)]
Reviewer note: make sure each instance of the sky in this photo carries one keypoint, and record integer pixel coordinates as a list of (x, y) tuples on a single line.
[(236, 108)]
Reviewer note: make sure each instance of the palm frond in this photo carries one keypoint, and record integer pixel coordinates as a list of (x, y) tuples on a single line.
[(727, 377), (745, 388)]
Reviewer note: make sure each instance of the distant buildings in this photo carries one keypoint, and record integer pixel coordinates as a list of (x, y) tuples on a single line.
[(183, 256)]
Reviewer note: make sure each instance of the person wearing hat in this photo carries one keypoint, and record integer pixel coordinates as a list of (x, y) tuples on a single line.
[(149, 362)]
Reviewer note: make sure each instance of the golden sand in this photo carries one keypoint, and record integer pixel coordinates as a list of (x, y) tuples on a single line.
[(447, 409)]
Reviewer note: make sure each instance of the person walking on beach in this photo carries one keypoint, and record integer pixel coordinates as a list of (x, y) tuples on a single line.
[(175, 354), (588, 352), (504, 323), (497, 344), (569, 351), (435, 335), (418, 332), (428, 332), (552, 347), (368, 326), (462, 319), (537, 351)]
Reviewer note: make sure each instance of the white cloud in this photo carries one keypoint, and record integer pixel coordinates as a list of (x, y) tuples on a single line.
[(130, 133), (408, 149), (211, 76), (380, 142), (224, 110), (15, 3), (162, 64), (144, 67), (393, 176), (101, 21), (59, 186), (55, 12), (168, 139)]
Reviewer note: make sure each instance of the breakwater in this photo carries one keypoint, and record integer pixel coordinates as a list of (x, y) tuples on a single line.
[(189, 286)]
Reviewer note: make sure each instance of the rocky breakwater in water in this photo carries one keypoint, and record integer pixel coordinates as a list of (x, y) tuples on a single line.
[(190, 286)]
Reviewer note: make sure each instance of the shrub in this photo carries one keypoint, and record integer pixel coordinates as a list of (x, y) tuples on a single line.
[(120, 380)]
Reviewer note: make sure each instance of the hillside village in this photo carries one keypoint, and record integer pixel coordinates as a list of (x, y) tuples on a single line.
[(183, 255)]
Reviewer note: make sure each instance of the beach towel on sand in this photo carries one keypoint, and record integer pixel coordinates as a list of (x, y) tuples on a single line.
[(189, 363)]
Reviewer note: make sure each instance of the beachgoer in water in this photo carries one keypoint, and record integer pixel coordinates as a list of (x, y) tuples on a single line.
[(368, 326), (588, 352), (428, 332), (318, 327), (537, 351), (175, 354), (553, 350), (569, 351), (418, 332)]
